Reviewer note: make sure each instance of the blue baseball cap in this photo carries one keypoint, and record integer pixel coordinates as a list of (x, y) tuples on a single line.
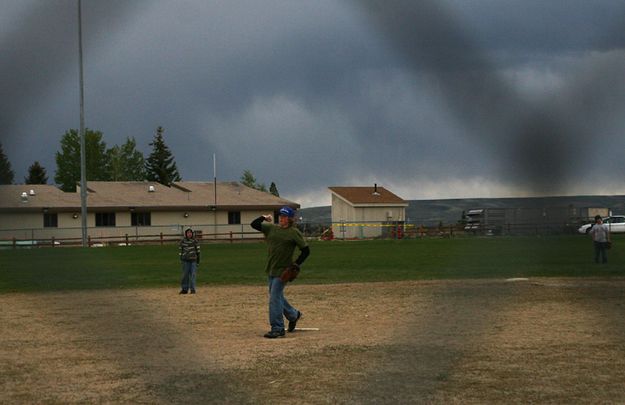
[(287, 212)]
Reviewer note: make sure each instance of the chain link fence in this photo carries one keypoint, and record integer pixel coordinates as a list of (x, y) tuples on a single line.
[(168, 234)]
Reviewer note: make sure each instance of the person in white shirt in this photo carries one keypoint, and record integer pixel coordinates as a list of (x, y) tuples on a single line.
[(600, 234)]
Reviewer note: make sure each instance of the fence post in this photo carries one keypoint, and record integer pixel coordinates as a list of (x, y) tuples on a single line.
[(14, 243), (161, 238), (126, 239), (451, 231), (89, 240), (230, 236), (53, 241)]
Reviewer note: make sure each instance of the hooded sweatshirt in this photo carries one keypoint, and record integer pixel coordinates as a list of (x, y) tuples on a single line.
[(189, 248)]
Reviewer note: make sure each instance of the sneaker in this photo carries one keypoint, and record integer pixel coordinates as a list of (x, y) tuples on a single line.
[(292, 324), (182, 292), (274, 334), (192, 291)]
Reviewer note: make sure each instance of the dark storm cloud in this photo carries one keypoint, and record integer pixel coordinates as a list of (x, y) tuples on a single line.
[(538, 27), (24, 49), (311, 94), (538, 141), (39, 73), (41, 49)]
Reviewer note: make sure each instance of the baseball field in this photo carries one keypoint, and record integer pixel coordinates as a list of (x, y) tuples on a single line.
[(466, 320)]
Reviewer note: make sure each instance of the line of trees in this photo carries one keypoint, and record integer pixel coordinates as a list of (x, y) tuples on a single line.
[(248, 179), (6, 174), (118, 163)]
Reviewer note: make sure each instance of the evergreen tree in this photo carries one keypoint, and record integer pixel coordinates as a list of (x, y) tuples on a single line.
[(6, 174), (273, 189), (160, 165), (36, 174), (68, 159), (125, 163), (248, 179)]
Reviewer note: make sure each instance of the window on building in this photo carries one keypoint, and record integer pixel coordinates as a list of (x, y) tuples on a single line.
[(104, 219), (276, 216), (234, 217), (50, 220), (141, 219)]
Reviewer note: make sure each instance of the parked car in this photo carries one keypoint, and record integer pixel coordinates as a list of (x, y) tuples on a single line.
[(616, 223)]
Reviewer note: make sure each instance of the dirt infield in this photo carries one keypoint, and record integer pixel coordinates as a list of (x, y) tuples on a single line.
[(494, 341)]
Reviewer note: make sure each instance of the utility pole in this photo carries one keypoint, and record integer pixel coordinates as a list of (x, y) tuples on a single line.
[(83, 158)]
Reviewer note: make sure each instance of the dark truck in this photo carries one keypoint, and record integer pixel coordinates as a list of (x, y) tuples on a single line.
[(523, 221)]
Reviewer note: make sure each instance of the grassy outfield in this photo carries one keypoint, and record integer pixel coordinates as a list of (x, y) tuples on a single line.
[(48, 269)]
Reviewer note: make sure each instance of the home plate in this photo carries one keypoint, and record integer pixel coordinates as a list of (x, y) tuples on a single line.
[(306, 329), (518, 279)]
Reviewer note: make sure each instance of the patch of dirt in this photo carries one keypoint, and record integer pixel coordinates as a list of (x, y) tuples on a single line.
[(475, 341)]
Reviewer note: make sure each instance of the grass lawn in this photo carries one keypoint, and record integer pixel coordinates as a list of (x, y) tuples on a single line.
[(50, 269)]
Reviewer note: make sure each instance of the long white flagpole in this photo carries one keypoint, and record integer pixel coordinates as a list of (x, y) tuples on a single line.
[(215, 177), (215, 191)]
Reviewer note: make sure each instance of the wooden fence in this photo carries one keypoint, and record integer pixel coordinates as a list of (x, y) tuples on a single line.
[(311, 231), (129, 240)]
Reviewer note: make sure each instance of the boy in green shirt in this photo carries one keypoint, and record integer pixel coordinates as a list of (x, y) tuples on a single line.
[(282, 239)]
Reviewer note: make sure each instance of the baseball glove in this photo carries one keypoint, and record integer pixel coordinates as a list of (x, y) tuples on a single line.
[(289, 273)]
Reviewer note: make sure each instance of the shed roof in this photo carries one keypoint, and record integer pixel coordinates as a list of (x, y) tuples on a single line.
[(374, 195)]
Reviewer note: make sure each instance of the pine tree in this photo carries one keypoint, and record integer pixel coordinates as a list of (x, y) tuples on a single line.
[(125, 163), (273, 189), (160, 165), (36, 174), (68, 159), (248, 179), (6, 174)]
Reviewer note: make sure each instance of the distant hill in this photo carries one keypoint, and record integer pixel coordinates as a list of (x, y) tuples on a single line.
[(431, 212)]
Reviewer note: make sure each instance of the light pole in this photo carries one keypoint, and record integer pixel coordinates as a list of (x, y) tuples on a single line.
[(83, 159)]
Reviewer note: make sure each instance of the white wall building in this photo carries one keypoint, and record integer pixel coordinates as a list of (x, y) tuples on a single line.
[(117, 209), (365, 212)]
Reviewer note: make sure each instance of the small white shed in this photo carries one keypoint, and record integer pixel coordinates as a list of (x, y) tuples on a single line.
[(365, 212)]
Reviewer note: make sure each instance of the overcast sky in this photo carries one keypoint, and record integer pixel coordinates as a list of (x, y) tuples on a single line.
[(431, 99)]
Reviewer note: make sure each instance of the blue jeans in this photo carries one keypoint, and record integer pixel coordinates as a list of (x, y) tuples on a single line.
[(278, 305), (601, 252), (188, 275)]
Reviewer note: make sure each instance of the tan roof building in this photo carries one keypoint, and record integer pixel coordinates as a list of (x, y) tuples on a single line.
[(152, 195), (231, 195), (364, 212), (29, 197), (119, 208)]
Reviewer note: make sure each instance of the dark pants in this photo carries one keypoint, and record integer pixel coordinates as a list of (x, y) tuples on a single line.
[(601, 250), (188, 276)]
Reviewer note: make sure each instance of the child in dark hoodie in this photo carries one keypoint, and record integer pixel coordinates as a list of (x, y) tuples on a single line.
[(190, 258)]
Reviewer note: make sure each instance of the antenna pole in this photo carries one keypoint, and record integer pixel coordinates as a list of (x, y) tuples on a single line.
[(215, 191)]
